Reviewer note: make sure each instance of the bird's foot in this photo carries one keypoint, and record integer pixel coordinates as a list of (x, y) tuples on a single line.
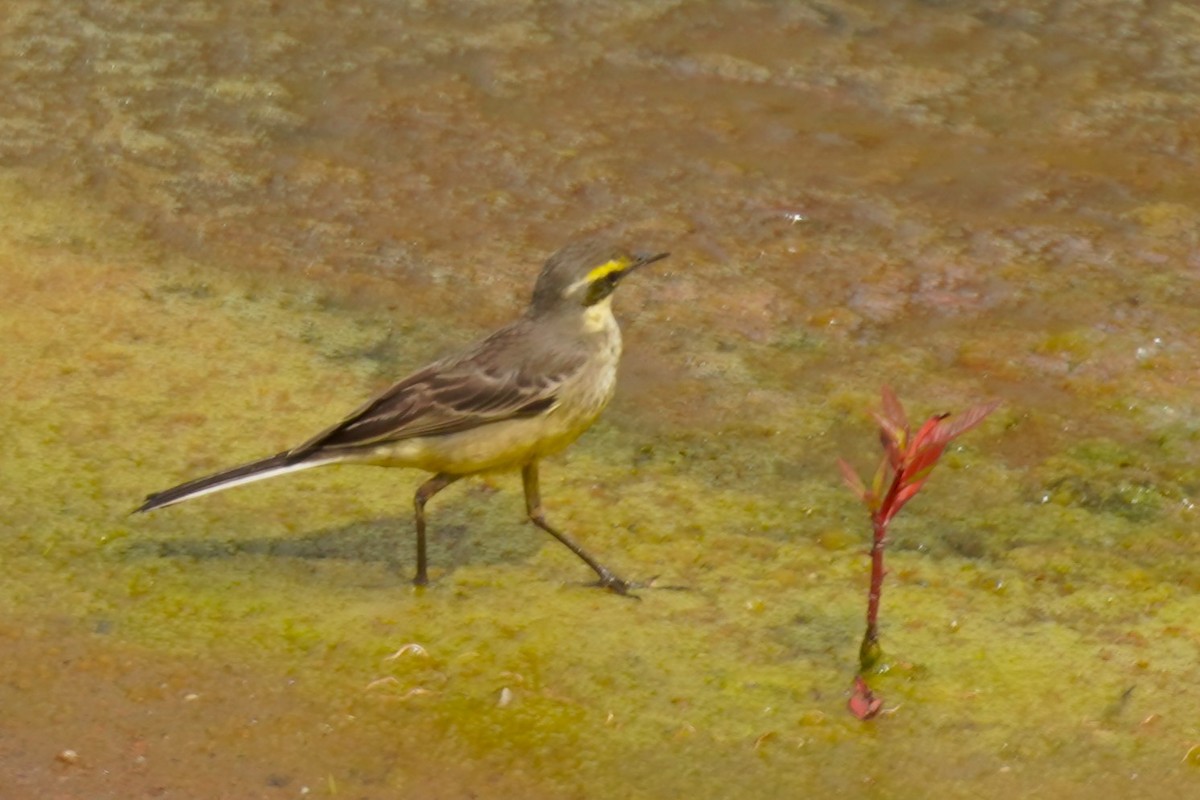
[(610, 581), (616, 585)]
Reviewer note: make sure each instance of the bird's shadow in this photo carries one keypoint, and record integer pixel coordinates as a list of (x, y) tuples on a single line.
[(389, 541)]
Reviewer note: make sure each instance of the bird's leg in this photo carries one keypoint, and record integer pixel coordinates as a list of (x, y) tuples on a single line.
[(427, 490), (533, 507)]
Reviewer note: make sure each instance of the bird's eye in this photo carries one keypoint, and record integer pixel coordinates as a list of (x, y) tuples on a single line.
[(601, 288)]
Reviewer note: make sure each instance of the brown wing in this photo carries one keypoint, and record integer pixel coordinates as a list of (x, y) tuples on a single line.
[(495, 381)]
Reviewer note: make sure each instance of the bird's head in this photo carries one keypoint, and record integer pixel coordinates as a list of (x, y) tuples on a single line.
[(583, 274)]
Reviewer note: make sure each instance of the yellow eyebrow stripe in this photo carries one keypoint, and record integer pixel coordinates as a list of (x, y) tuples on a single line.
[(608, 268)]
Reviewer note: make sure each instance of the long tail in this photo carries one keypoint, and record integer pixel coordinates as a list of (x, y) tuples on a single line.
[(279, 464)]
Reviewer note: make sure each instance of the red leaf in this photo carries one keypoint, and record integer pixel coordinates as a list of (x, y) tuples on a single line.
[(893, 409), (853, 481), (929, 434), (903, 496), (921, 463), (893, 424), (956, 426), (893, 439), (900, 499), (863, 703)]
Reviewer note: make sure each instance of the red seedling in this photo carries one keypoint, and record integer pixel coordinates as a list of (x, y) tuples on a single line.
[(907, 462)]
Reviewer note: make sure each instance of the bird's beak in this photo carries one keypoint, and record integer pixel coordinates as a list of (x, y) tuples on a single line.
[(642, 259)]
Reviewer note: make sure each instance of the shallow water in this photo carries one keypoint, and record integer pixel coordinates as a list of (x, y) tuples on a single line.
[(225, 225)]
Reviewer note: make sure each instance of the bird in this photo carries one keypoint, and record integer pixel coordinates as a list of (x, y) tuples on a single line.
[(524, 392)]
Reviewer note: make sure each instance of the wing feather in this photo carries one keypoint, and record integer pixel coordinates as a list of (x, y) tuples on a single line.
[(501, 378)]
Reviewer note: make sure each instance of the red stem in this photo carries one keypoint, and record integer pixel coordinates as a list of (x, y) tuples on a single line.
[(879, 522)]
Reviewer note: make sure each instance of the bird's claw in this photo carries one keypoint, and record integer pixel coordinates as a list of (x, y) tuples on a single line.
[(608, 580)]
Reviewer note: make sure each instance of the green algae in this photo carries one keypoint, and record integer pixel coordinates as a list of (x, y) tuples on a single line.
[(1013, 628)]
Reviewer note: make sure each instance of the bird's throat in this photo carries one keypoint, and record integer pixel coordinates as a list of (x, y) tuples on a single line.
[(599, 317)]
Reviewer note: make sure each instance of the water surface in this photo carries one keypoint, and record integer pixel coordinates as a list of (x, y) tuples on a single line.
[(226, 224)]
